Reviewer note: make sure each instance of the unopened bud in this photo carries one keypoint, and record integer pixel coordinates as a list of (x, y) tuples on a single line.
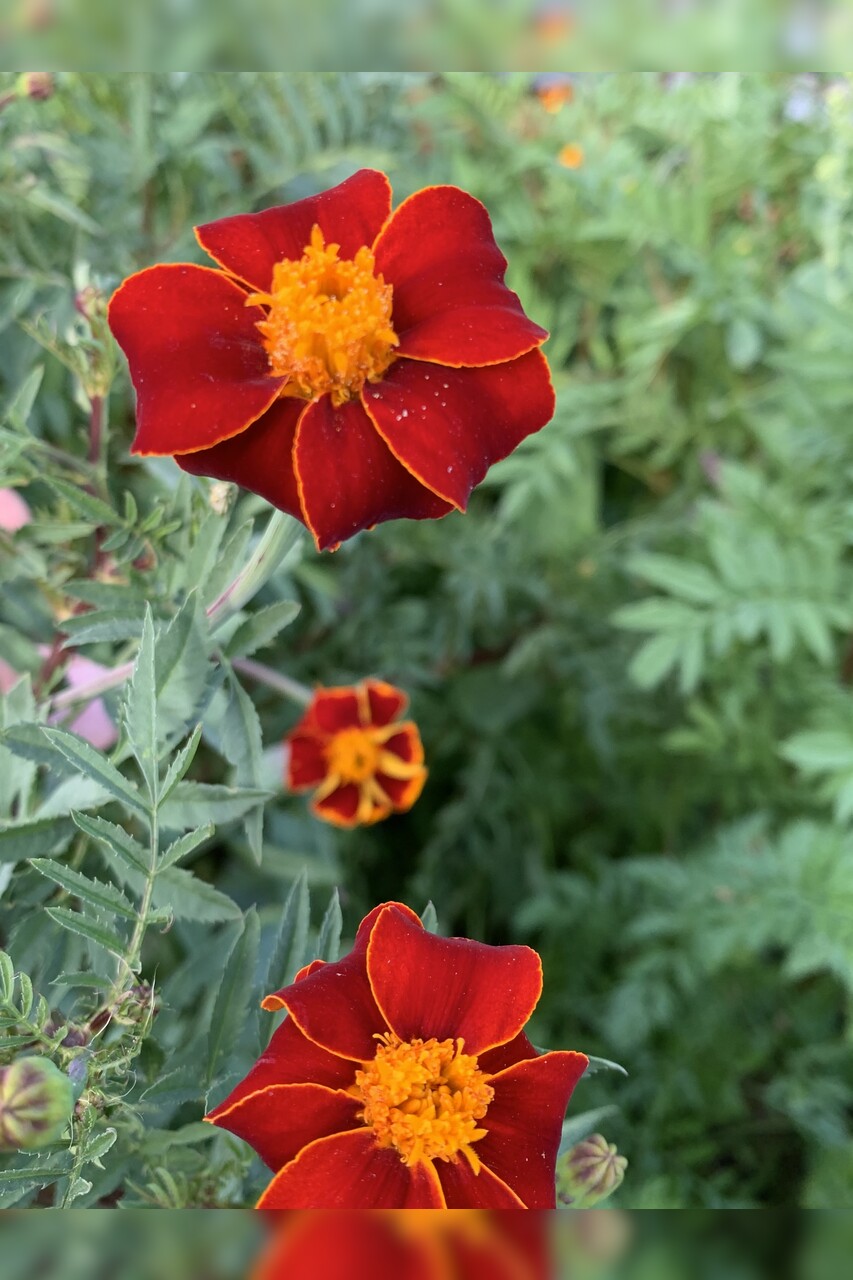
[(36, 1100), (590, 1172), (35, 84), (221, 496)]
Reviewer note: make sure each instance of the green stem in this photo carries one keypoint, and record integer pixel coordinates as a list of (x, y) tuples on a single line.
[(134, 950), (274, 679)]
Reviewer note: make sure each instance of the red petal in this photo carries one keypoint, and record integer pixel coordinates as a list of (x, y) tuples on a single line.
[(280, 1120), (505, 1055), (306, 762), (340, 807), (289, 1058), (524, 1122), (402, 792), (385, 701), (200, 371), (407, 743), (349, 1171), (464, 1189), (448, 426), (450, 301), (250, 244), (348, 478), (334, 709), (342, 1245), (259, 459), (516, 1247), (334, 1007), (450, 987)]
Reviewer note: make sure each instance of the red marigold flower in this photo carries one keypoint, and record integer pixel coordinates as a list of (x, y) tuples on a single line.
[(353, 750), (409, 1244), (349, 364), (402, 1078)]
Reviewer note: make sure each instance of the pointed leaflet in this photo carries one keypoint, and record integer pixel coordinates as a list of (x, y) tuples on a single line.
[(288, 953), (240, 740), (95, 765), (193, 803), (27, 839), (261, 628), (329, 938), (184, 846), (115, 840), (140, 709), (77, 922), (103, 897), (180, 764), (232, 1004)]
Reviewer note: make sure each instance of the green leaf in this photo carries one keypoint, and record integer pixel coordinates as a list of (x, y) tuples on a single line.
[(19, 408), (261, 628), (231, 1007), (190, 898), (29, 839), (288, 952), (95, 765), (191, 804), (603, 1064), (106, 624), (83, 502), (578, 1127), (241, 735), (140, 709), (185, 845), (180, 764), (429, 918), (86, 927), (329, 937), (115, 840), (104, 897)]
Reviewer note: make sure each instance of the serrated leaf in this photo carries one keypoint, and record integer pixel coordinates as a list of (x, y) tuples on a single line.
[(83, 502), (261, 628), (192, 804), (73, 793), (288, 952), (29, 839), (180, 764), (19, 408), (83, 925), (105, 624), (241, 731), (231, 1008), (184, 846), (7, 975), (80, 754), (329, 937), (603, 1064), (115, 840), (104, 897), (188, 897), (140, 709)]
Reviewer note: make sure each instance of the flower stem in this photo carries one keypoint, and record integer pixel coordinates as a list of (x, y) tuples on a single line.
[(274, 679)]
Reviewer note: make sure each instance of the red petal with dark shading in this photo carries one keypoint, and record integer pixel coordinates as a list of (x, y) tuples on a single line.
[(333, 709), (450, 987), (341, 1245), (524, 1122), (340, 807), (448, 426), (386, 703), (450, 301), (200, 372), (464, 1189), (306, 762), (334, 1007), (505, 1055), (290, 1058), (348, 478), (250, 244), (259, 459), (349, 1171), (279, 1121), (402, 792)]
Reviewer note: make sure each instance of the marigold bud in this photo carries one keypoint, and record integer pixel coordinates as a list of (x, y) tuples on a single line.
[(35, 84), (36, 1099), (590, 1172)]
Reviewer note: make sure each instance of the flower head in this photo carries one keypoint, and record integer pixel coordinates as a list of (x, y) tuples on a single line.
[(402, 1078), (349, 364), (355, 752), (590, 1172), (36, 1100), (571, 156)]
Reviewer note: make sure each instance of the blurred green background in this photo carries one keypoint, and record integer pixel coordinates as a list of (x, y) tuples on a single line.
[(631, 662)]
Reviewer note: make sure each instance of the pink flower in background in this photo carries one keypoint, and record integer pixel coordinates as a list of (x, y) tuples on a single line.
[(14, 512), (94, 722)]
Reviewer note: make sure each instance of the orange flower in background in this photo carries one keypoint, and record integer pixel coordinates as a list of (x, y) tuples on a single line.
[(571, 156), (348, 363), (352, 748), (402, 1078), (409, 1244)]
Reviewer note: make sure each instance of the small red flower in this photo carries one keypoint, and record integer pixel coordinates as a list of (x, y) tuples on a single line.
[(350, 364), (409, 1244), (353, 750), (402, 1078)]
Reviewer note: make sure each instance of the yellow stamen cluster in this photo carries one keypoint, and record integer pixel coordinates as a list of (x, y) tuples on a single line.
[(328, 326), (424, 1098), (353, 755)]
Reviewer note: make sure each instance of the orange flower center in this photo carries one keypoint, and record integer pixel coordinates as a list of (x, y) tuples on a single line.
[(353, 755), (424, 1098), (328, 326)]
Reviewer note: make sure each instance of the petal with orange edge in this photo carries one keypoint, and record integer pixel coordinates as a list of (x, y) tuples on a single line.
[(406, 743), (451, 305), (196, 360), (450, 987), (505, 1055), (306, 762), (524, 1123), (249, 245), (334, 1007), (282, 1119), (341, 1245), (402, 792), (348, 478), (448, 426), (259, 459), (290, 1058), (385, 702), (349, 1171), (342, 807), (334, 709), (464, 1189)]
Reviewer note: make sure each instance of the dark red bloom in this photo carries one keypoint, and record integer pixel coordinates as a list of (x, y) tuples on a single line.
[(355, 752), (350, 364), (407, 1245), (402, 1078)]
